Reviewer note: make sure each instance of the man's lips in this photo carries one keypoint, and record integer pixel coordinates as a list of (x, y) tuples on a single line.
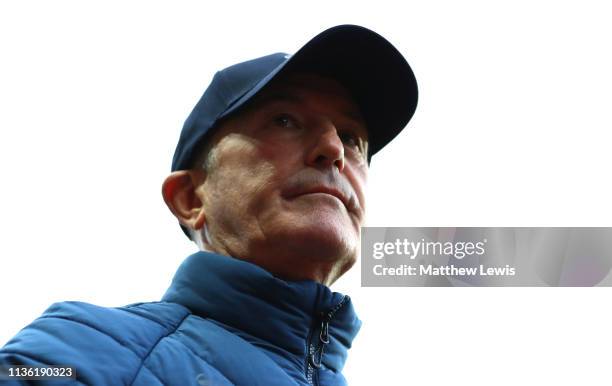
[(325, 190), (331, 192)]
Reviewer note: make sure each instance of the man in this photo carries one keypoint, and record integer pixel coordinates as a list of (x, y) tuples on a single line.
[(268, 179)]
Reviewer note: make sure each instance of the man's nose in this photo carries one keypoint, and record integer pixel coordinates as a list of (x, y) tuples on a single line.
[(328, 149)]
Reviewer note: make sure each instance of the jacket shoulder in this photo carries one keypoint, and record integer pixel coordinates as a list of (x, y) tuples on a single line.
[(106, 345)]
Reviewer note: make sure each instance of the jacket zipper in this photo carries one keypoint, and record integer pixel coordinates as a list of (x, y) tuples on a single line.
[(316, 347)]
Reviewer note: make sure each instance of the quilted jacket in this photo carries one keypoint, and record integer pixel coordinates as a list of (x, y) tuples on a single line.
[(223, 321)]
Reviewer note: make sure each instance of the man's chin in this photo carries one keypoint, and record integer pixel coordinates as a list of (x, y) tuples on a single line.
[(325, 240)]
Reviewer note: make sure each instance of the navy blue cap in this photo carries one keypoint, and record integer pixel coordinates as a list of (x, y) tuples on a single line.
[(373, 71)]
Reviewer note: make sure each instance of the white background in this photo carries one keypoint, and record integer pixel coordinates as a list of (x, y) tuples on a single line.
[(512, 129)]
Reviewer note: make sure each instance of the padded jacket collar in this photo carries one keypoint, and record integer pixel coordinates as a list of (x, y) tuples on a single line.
[(266, 310)]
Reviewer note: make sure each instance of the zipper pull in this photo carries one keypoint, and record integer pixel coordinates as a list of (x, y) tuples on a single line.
[(324, 339), (326, 317), (324, 334)]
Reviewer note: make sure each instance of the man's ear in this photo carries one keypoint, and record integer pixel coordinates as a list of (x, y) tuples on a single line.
[(180, 191)]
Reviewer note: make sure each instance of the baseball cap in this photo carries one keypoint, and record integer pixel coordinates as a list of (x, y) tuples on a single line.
[(373, 71)]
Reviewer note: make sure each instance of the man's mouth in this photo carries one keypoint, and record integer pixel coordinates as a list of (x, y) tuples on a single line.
[(330, 191)]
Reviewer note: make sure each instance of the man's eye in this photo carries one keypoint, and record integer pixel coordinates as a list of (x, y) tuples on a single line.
[(350, 140), (286, 121)]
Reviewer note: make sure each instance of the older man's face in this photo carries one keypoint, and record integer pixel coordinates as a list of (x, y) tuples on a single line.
[(286, 188)]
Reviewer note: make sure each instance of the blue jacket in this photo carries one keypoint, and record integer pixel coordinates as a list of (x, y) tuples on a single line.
[(223, 321)]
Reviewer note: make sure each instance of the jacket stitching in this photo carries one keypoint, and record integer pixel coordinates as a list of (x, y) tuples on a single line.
[(152, 372), (92, 327), (203, 359), (206, 361), (153, 348), (152, 318)]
